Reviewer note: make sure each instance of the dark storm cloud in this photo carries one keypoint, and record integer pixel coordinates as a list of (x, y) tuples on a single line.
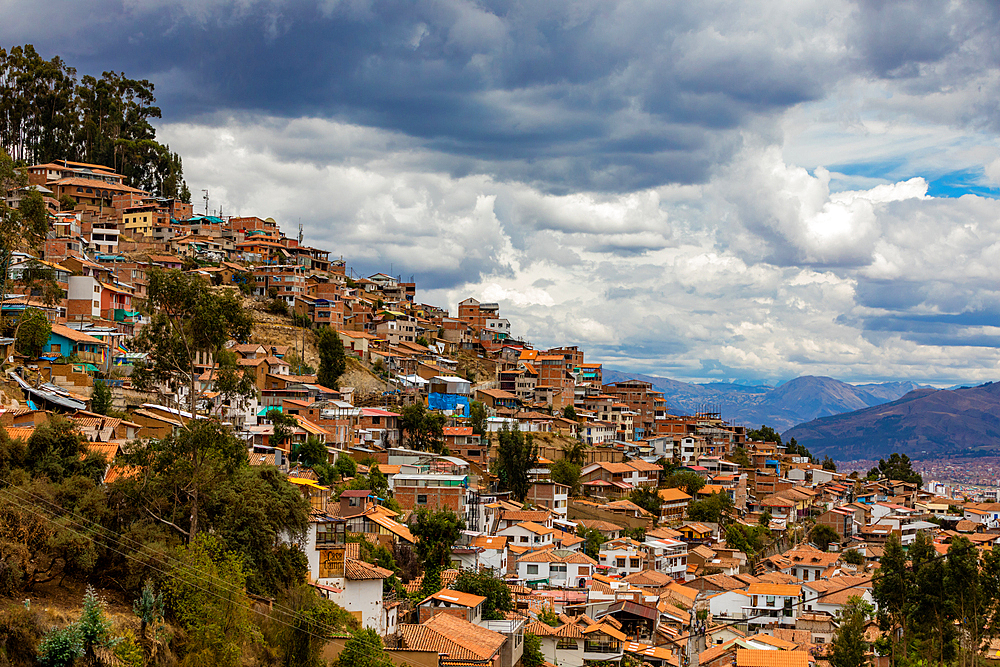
[(605, 96)]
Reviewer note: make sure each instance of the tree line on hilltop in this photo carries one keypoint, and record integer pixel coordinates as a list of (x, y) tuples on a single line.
[(47, 114)]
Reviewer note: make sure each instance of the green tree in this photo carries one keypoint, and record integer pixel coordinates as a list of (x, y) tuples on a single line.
[(61, 647), (516, 455), (853, 557), (189, 323), (495, 590), (795, 449), (100, 400), (437, 531), (95, 626), (532, 656), (850, 647), (56, 450), (687, 481), (897, 467), (764, 434), (575, 453), (257, 512), (829, 464), (32, 333), (177, 471), (592, 541), (300, 625), (149, 608), (646, 498), (748, 539), (284, 426), (411, 421), (205, 595), (765, 518), (565, 472), (712, 509), (930, 615), (33, 214), (345, 466), (66, 203), (963, 579), (892, 589), (549, 618), (740, 457), (477, 417), (311, 452), (364, 649), (332, 360), (569, 412), (823, 536)]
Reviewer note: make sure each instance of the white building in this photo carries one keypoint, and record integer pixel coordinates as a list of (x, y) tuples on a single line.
[(773, 603), (669, 556), (729, 604), (528, 534), (556, 568), (624, 555)]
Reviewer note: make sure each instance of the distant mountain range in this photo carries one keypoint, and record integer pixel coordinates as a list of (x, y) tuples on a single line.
[(794, 402), (938, 422)]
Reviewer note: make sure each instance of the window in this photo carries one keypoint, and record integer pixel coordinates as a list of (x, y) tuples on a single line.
[(633, 562), (566, 644), (524, 538), (620, 562), (532, 569), (421, 499)]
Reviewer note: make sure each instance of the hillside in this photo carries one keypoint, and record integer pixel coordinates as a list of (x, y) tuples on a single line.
[(923, 422), (794, 402)]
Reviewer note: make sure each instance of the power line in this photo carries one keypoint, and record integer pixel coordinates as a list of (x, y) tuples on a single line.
[(110, 544), (212, 580), (741, 621)]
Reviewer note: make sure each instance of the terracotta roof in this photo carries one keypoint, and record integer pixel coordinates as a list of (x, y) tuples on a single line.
[(648, 578), (748, 657), (75, 336), (120, 472), (672, 495), (606, 629), (540, 629), (359, 570), (714, 652), (456, 598), (570, 631), (490, 541), (524, 515), (597, 524), (533, 527), (458, 638), (775, 589)]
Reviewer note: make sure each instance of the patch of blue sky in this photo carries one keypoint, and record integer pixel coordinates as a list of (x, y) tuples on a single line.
[(965, 182), (953, 184)]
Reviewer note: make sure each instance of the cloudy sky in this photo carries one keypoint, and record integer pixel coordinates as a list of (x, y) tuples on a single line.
[(701, 190)]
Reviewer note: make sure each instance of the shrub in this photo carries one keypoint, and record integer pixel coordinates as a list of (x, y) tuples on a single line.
[(277, 307)]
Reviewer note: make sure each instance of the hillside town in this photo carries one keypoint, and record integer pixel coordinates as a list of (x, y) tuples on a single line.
[(635, 536)]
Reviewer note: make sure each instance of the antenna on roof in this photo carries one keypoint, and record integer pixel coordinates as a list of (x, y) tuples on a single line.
[(300, 238), (206, 200)]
